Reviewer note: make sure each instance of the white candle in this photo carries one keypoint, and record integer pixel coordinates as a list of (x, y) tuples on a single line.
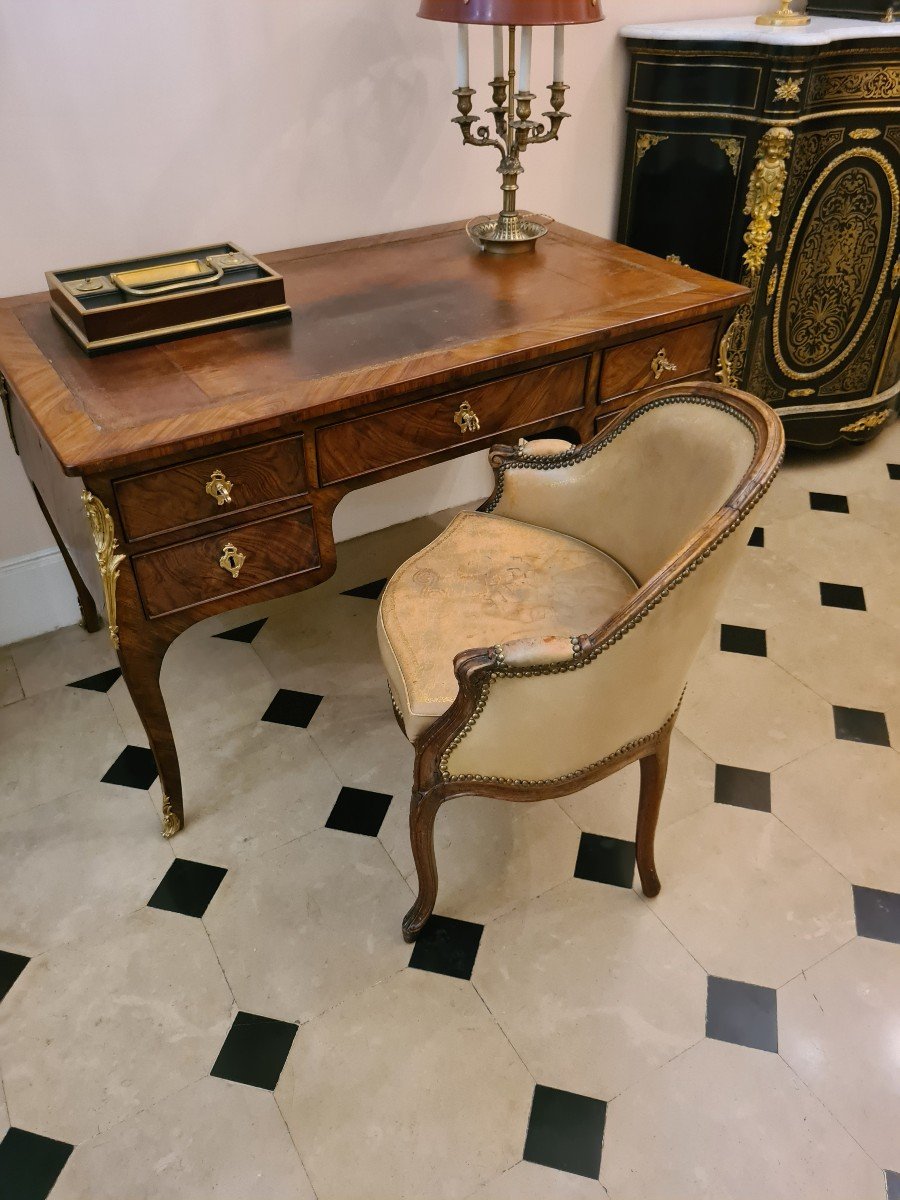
[(525, 59), (462, 56), (559, 49), (498, 52)]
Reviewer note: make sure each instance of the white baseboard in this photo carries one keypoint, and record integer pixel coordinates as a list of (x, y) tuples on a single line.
[(36, 595)]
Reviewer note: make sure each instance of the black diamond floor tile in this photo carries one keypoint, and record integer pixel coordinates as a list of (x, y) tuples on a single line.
[(842, 595), (98, 683), (743, 1013), (860, 725), (30, 1164), (187, 887), (893, 470), (255, 1050), (565, 1131), (742, 639), (367, 591), (447, 946), (242, 633), (133, 768), (877, 914), (605, 860), (359, 811), (11, 967), (757, 537), (743, 788), (892, 1178), (828, 502), (292, 708)]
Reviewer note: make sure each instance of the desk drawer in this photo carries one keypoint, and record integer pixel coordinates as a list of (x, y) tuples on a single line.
[(657, 360), (170, 499), (193, 572), (398, 435)]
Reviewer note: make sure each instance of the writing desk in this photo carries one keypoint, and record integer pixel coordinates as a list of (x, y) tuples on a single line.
[(196, 476)]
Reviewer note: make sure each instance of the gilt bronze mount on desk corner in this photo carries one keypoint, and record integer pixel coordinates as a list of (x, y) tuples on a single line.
[(511, 231)]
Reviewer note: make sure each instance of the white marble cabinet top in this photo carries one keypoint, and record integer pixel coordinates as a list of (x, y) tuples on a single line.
[(819, 32)]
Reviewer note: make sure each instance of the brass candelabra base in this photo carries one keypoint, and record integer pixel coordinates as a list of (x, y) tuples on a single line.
[(784, 16), (511, 231)]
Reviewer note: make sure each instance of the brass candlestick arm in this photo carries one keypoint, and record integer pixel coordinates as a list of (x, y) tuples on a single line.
[(465, 121), (556, 115)]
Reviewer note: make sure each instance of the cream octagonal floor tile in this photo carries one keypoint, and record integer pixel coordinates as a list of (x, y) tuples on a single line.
[(844, 800), (491, 854), (406, 1091), (212, 1139), (610, 806), (53, 744), (98, 1029), (591, 989), (879, 504), (834, 547), (838, 1028), (302, 927), (747, 897), (722, 1122), (250, 790), (10, 684), (842, 469), (762, 589), (846, 656), (55, 659), (359, 736), (745, 711), (97, 851), (323, 644), (530, 1181), (377, 555)]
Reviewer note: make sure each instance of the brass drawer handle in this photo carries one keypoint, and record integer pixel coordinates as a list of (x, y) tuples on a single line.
[(661, 363), (219, 488), (467, 418), (232, 559)]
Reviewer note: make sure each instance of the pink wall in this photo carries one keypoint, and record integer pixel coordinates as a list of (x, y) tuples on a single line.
[(136, 125)]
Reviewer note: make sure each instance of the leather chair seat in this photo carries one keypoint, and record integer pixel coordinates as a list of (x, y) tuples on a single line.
[(485, 581)]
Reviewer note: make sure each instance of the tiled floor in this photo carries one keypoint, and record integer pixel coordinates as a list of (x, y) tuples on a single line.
[(234, 1014)]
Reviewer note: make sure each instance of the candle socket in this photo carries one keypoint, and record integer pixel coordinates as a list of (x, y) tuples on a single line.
[(511, 231)]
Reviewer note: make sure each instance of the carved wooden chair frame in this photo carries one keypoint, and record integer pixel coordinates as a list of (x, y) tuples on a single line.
[(475, 668)]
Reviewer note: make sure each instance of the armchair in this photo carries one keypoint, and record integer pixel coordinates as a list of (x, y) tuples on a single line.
[(627, 536)]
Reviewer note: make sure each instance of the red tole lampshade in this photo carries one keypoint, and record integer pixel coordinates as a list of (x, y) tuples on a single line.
[(512, 12)]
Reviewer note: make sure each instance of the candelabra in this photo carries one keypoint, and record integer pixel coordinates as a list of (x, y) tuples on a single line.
[(513, 131)]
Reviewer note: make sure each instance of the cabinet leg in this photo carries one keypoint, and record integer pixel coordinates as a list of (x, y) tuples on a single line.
[(141, 665), (90, 618)]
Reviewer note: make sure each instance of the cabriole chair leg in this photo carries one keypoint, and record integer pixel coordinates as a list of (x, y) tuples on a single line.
[(653, 780), (423, 809)]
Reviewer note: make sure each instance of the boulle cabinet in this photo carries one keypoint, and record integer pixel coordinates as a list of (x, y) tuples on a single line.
[(192, 477), (770, 156)]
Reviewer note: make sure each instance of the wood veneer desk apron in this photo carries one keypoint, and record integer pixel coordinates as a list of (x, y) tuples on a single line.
[(396, 344)]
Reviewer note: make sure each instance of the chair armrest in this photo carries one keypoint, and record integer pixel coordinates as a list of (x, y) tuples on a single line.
[(541, 651)]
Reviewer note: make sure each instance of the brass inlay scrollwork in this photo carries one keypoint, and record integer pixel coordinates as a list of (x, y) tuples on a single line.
[(645, 141), (764, 194), (772, 284), (108, 561), (828, 263), (808, 149), (731, 147), (871, 421), (877, 83)]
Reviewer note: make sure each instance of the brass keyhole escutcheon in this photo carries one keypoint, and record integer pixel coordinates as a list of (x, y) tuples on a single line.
[(232, 560), (467, 418), (661, 363), (219, 488)]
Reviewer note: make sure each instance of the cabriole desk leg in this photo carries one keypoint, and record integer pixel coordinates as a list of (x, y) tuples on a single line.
[(141, 651)]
